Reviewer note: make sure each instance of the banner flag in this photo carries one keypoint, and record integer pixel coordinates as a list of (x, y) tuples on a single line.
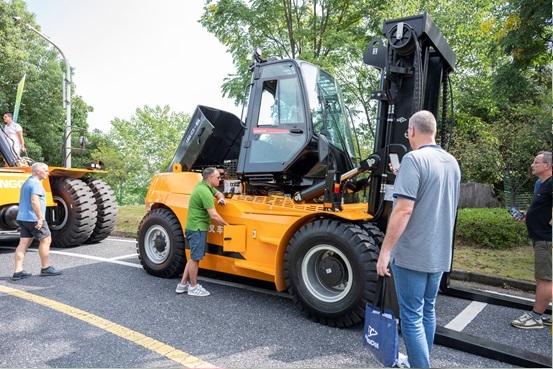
[(18, 97)]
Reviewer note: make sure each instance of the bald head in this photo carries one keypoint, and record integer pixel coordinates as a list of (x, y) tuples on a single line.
[(422, 129), (424, 122)]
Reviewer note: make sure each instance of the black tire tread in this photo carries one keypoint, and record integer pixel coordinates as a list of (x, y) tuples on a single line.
[(177, 258), (106, 203), (366, 248), (82, 212)]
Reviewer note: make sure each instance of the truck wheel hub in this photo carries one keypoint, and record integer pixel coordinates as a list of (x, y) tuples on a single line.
[(331, 271), (159, 243)]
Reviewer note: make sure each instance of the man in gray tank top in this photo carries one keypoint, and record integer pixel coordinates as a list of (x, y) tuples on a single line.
[(419, 237)]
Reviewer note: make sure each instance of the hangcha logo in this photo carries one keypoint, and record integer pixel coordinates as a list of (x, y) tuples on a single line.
[(371, 333), (12, 183)]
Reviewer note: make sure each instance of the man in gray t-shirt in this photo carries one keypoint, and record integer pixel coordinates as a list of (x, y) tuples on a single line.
[(418, 240)]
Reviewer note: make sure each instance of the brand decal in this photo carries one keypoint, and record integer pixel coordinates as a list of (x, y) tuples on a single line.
[(192, 131), (11, 183), (371, 333)]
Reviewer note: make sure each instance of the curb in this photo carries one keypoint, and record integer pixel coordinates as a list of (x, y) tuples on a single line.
[(123, 234), (491, 280), (459, 275)]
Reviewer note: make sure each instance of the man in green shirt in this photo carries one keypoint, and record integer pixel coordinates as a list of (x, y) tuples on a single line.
[(201, 211)]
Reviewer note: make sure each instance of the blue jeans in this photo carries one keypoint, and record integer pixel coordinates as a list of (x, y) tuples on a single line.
[(416, 295)]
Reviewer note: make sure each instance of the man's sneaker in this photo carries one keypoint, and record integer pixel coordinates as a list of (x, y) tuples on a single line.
[(402, 361), (527, 321), (546, 320), (50, 271), (198, 290), (20, 275), (181, 288)]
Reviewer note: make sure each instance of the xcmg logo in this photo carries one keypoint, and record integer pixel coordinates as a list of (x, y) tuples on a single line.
[(11, 183)]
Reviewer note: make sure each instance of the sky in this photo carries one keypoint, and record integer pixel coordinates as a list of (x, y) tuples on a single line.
[(126, 54)]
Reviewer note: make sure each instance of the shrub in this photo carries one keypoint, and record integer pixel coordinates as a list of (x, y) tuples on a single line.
[(490, 227)]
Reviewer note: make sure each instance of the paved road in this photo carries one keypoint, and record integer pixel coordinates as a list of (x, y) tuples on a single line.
[(106, 311)]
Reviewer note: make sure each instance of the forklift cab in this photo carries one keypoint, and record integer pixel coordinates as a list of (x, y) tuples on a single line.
[(291, 104)]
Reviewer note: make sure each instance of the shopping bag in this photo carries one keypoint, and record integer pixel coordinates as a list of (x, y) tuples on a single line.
[(380, 333)]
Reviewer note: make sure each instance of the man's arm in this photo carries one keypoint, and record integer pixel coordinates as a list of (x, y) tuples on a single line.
[(220, 198), (216, 217), (399, 218), (21, 140), (35, 204)]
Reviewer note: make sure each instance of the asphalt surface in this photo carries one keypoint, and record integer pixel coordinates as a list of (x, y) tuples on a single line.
[(106, 311)]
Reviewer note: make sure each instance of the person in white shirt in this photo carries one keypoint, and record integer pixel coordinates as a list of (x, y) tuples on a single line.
[(15, 133)]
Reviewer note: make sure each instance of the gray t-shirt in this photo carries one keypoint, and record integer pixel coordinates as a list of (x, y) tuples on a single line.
[(431, 178)]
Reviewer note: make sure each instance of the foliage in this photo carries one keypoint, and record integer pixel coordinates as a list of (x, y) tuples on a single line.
[(490, 228), (504, 118), (42, 114), (331, 34), (526, 33), (501, 83), (136, 149)]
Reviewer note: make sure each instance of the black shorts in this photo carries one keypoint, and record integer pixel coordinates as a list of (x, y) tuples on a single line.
[(28, 230)]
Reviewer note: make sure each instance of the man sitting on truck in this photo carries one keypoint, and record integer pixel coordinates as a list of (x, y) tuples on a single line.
[(15, 133)]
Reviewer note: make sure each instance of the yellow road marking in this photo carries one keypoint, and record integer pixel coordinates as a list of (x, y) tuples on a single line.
[(156, 346)]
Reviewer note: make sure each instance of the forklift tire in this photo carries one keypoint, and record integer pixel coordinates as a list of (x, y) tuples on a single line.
[(72, 220), (330, 271), (161, 243), (107, 209)]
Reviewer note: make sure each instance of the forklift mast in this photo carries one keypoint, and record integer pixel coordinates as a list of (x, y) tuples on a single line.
[(415, 67), (415, 64)]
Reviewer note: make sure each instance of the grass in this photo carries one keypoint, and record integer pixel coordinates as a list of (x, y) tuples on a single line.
[(516, 263), (129, 217)]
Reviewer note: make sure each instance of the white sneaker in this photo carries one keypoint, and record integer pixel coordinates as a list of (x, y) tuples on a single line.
[(181, 288), (402, 361), (527, 321), (197, 290)]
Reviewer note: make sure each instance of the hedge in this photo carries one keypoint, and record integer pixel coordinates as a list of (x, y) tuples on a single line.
[(490, 227)]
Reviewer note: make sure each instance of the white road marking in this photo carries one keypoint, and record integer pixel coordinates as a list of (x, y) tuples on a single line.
[(115, 260), (507, 295), (90, 257), (125, 256), (466, 316)]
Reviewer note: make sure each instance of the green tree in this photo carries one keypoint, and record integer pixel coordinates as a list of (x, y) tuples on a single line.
[(331, 34), (136, 149), (41, 114), (504, 117)]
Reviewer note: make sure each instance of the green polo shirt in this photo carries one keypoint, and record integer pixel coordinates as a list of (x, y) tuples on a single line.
[(200, 200)]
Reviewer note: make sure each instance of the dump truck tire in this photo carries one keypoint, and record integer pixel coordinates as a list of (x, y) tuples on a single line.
[(106, 204), (330, 271), (161, 244), (74, 217)]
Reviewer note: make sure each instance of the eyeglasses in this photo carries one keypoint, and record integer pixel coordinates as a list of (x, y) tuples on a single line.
[(540, 162)]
